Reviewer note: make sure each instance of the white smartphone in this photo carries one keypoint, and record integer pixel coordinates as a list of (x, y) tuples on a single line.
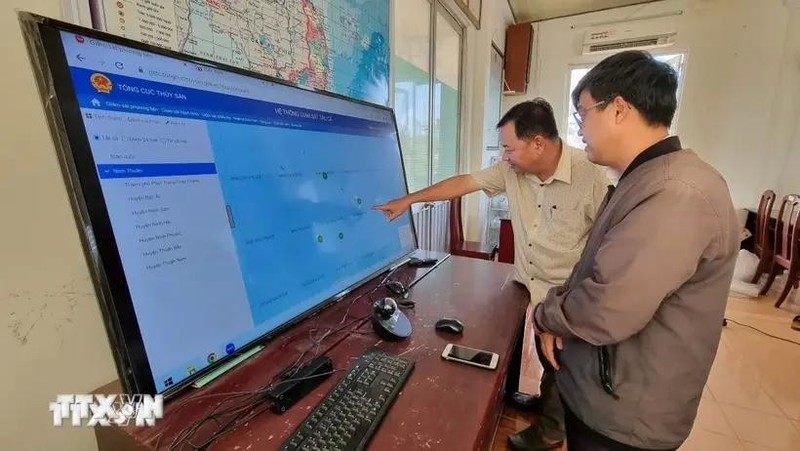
[(470, 356)]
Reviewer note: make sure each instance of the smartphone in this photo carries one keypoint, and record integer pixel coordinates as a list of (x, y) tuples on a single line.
[(470, 356)]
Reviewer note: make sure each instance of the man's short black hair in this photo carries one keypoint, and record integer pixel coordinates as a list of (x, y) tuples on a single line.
[(651, 86), (531, 118)]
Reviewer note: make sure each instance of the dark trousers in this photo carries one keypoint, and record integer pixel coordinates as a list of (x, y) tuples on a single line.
[(551, 417), (581, 437)]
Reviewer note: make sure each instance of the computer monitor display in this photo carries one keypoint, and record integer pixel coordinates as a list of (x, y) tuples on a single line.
[(218, 205)]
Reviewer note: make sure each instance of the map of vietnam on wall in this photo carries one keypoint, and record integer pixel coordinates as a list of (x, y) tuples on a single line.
[(340, 46)]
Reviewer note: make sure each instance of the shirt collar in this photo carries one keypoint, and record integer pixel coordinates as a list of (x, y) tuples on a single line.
[(663, 147), (563, 169)]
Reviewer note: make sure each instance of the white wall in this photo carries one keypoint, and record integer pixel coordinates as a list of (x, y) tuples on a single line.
[(52, 336), (740, 96), (789, 181), (786, 111)]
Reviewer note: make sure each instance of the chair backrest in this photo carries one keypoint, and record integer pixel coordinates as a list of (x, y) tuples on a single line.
[(456, 227), (787, 230), (505, 241), (762, 219)]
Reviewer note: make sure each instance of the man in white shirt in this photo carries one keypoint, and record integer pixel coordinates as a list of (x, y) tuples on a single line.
[(553, 194)]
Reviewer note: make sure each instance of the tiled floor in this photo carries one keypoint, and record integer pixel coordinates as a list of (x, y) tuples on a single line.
[(752, 399)]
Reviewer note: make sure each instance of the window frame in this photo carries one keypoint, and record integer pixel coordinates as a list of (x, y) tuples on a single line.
[(588, 65), (436, 7), (460, 29)]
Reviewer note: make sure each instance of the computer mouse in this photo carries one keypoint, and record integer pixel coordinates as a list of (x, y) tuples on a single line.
[(450, 325)]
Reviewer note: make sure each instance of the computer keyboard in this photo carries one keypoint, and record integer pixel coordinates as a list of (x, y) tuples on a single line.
[(350, 413)]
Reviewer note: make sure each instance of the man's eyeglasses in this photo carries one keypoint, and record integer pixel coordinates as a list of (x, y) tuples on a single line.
[(581, 113)]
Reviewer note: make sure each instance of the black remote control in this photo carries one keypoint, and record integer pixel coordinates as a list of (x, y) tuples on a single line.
[(422, 262)]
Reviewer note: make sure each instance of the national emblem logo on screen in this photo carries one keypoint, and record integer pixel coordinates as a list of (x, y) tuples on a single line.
[(101, 83)]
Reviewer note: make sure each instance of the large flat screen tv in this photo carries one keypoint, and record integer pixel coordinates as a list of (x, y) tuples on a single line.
[(217, 206)]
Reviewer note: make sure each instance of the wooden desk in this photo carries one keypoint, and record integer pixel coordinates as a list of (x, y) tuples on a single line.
[(444, 405)]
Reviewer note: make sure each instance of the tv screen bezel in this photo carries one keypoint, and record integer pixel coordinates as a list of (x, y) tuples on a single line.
[(49, 62)]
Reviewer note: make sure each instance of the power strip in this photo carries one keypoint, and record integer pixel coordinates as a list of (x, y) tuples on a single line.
[(286, 393)]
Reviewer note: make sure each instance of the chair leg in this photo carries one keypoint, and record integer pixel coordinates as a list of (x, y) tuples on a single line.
[(771, 278), (762, 266), (784, 293), (791, 281)]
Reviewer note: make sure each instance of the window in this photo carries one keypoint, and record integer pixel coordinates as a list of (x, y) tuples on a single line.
[(494, 101), (446, 96), (427, 90), (676, 60), (497, 206)]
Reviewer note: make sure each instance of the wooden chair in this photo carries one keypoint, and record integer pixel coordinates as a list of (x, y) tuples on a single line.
[(505, 242), (787, 233), (458, 246), (763, 247)]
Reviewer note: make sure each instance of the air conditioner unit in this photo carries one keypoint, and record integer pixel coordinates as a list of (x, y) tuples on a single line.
[(629, 35)]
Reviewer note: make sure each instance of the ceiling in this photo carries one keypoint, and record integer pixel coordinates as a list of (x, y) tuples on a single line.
[(533, 10)]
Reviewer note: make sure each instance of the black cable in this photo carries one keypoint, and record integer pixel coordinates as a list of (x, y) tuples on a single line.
[(765, 333), (240, 414), (242, 417), (316, 343), (248, 408)]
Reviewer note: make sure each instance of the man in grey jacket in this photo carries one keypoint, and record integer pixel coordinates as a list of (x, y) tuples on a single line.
[(635, 329)]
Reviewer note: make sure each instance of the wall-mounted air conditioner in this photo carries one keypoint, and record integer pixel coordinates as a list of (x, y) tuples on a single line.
[(629, 35)]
